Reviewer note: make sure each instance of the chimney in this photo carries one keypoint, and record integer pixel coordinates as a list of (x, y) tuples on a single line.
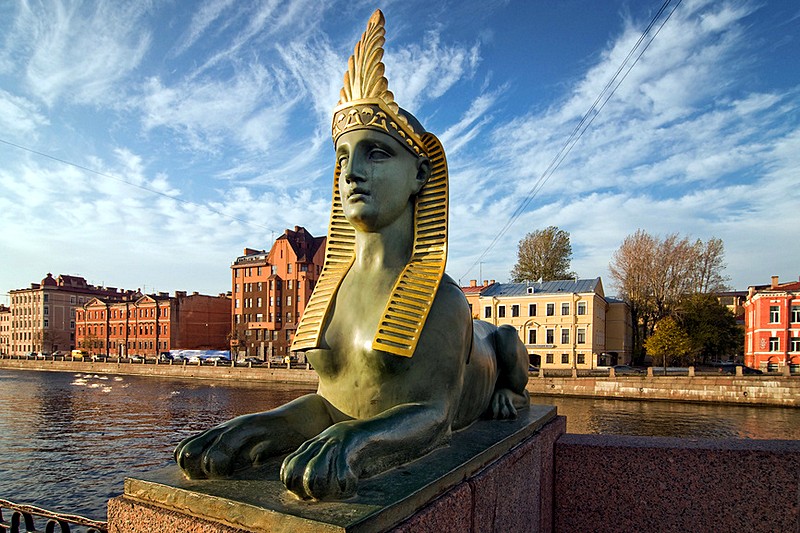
[(491, 282), (774, 282), (485, 283), (473, 283)]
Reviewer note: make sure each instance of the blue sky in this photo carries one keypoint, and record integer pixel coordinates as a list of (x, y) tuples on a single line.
[(205, 127)]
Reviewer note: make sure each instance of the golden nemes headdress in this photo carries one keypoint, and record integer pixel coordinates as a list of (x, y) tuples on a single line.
[(366, 102)]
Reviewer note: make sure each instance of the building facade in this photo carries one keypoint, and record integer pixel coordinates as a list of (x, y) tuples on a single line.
[(5, 329), (563, 324), (149, 324), (43, 315), (270, 291), (772, 325)]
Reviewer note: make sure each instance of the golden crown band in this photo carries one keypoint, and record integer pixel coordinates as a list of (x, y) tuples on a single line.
[(373, 114)]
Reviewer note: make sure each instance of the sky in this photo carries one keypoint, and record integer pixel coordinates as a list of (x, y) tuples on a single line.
[(146, 144)]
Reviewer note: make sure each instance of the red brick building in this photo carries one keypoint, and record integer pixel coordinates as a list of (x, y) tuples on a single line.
[(772, 325), (153, 323), (270, 291)]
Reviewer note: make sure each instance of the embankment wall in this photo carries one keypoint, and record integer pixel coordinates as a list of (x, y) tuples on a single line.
[(771, 390), (751, 390), (179, 371)]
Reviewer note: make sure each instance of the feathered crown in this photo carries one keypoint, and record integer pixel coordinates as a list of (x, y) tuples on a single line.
[(365, 100)]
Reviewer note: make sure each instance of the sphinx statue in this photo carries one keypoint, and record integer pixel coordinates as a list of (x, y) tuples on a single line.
[(401, 363)]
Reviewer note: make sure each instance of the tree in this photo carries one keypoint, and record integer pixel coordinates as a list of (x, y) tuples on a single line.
[(711, 327), (543, 254), (709, 257), (669, 343), (654, 276)]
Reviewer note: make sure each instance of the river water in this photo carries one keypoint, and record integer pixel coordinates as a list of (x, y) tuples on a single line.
[(67, 440)]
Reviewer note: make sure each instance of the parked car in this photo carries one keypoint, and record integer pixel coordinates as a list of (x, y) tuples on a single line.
[(626, 370), (32, 355), (98, 357), (216, 359), (253, 360), (60, 353), (165, 356), (79, 354), (533, 369), (137, 359)]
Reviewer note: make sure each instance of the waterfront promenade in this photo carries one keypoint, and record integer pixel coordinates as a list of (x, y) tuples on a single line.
[(768, 389)]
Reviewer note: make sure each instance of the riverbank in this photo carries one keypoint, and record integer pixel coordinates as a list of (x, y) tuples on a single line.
[(772, 390)]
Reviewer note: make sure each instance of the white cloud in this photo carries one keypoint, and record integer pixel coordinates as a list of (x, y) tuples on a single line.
[(208, 112), (419, 73), (19, 116), (79, 52)]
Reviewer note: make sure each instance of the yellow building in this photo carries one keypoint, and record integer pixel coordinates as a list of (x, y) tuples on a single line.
[(563, 324)]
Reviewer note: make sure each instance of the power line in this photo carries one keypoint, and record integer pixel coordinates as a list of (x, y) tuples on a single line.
[(586, 121), (142, 187)]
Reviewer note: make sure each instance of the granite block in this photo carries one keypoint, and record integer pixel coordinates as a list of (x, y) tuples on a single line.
[(615, 483)]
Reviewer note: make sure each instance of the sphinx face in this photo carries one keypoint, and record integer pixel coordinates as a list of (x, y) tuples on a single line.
[(378, 178)]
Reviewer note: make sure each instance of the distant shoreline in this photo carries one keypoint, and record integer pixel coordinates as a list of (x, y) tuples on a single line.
[(764, 390)]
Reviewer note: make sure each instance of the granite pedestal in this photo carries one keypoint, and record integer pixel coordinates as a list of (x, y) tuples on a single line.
[(494, 476)]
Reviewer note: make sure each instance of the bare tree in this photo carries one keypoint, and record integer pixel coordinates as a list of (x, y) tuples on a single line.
[(543, 254), (654, 275), (710, 263)]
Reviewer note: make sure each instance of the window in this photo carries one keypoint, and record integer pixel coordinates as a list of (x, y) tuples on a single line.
[(581, 359), (289, 284), (564, 358), (289, 268), (565, 308), (550, 335), (289, 300), (564, 336), (487, 311), (581, 337), (515, 310), (581, 308), (795, 344), (44, 297), (46, 311), (532, 336), (531, 309), (274, 269), (501, 311), (259, 302), (551, 309), (549, 359), (796, 313), (236, 303), (774, 344), (774, 314), (72, 300), (46, 323)]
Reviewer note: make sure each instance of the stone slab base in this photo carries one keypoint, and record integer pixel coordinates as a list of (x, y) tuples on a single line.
[(494, 476)]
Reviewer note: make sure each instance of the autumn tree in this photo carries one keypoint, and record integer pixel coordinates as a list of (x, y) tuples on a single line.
[(543, 254), (669, 343), (654, 275)]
